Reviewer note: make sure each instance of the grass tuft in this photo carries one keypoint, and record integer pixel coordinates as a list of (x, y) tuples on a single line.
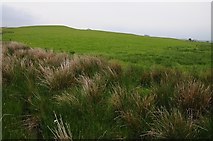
[(93, 88), (194, 97), (173, 125), (56, 78), (101, 99)]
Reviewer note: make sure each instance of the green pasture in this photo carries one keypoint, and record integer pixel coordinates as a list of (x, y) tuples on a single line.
[(119, 47)]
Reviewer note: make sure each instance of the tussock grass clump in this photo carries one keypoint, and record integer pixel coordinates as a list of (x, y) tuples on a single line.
[(48, 57), (165, 88), (118, 97), (173, 125), (75, 101), (102, 99), (87, 65), (88, 92), (8, 62), (8, 69), (13, 66), (194, 97), (94, 88), (55, 70), (123, 99), (157, 76), (56, 78), (70, 71), (133, 110), (69, 98), (114, 70), (21, 50), (165, 96), (14, 47)]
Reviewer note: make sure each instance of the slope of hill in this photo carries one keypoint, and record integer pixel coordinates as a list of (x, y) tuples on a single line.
[(126, 48), (115, 86)]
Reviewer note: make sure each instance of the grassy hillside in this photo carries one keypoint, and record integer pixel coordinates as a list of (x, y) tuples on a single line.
[(125, 48), (65, 83), (49, 95)]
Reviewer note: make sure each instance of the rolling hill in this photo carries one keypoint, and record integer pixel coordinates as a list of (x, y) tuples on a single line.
[(125, 48), (115, 86)]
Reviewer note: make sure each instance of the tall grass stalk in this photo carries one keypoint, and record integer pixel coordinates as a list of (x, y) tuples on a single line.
[(62, 130)]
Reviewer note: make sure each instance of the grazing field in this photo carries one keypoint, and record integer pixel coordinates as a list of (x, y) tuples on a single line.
[(64, 83), (126, 48)]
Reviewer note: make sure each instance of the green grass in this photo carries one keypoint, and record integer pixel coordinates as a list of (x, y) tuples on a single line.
[(124, 48), (104, 85), (50, 95)]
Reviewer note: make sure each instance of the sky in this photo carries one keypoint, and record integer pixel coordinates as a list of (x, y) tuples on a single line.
[(181, 20)]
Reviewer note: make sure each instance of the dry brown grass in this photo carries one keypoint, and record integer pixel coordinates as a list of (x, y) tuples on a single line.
[(55, 70), (62, 130), (22, 51), (13, 46), (114, 70), (130, 119), (86, 65), (117, 97), (56, 78), (172, 125), (49, 57), (93, 88), (69, 98), (8, 67), (193, 96), (69, 71), (140, 103), (31, 123), (96, 88)]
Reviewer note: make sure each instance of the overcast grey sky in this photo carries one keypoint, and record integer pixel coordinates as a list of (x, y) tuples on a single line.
[(165, 19)]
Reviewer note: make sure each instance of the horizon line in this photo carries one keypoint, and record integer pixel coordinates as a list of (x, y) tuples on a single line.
[(148, 35)]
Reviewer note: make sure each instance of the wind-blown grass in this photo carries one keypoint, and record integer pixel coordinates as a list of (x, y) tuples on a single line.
[(194, 97), (62, 130), (173, 125), (99, 99)]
